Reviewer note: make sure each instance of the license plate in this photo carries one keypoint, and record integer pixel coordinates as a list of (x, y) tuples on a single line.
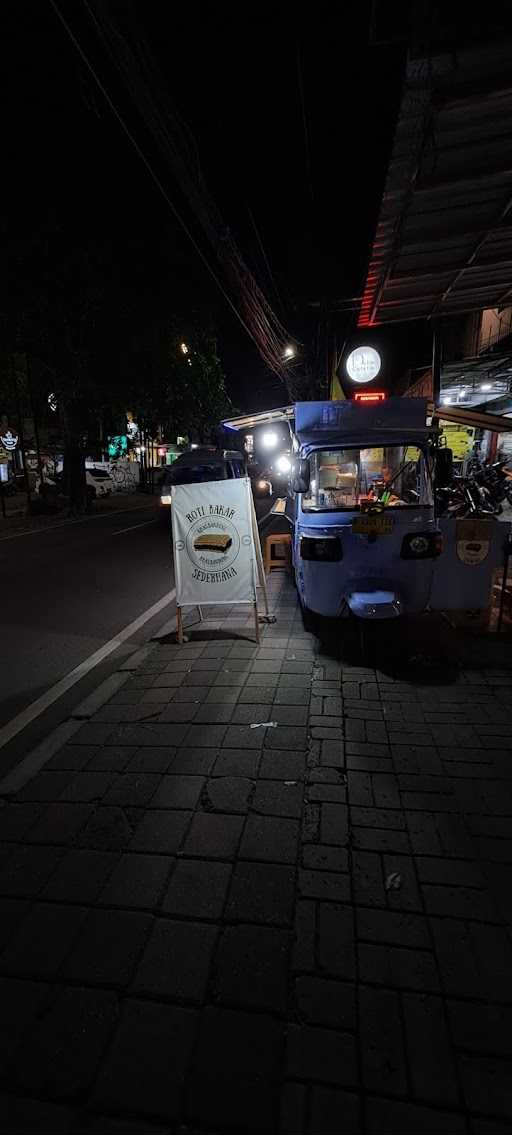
[(372, 526)]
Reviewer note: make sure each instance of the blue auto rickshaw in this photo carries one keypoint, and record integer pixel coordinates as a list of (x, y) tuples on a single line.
[(365, 537)]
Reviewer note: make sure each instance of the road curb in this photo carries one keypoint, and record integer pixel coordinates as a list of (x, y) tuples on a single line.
[(40, 755), (100, 696), (138, 656), (168, 628), (46, 749)]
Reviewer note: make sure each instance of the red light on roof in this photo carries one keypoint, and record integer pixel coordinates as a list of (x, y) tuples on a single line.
[(370, 396)]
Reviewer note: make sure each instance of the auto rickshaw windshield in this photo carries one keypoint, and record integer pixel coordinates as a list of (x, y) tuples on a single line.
[(396, 475)]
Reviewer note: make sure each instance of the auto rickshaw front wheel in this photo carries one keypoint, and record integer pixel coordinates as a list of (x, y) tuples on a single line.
[(309, 619)]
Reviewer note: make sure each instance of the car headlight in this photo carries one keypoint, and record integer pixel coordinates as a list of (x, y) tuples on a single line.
[(166, 499)]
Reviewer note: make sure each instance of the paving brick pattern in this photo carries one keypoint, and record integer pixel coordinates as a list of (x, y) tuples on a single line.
[(297, 929)]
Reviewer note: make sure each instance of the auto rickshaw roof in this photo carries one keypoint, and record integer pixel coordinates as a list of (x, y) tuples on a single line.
[(259, 418), (459, 415), (397, 421)]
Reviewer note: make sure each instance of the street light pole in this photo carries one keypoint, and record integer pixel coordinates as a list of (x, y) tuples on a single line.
[(36, 423), (14, 378), (436, 363)]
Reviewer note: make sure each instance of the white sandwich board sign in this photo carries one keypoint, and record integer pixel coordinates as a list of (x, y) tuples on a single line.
[(215, 558)]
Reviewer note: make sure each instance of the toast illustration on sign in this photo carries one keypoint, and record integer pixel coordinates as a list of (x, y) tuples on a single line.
[(211, 542)]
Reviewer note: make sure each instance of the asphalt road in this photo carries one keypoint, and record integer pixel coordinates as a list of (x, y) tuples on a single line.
[(68, 590)]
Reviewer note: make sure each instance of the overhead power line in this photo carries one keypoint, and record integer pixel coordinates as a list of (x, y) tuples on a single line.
[(147, 164), (133, 59), (265, 258), (307, 152)]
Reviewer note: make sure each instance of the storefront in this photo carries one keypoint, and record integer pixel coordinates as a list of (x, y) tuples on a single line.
[(475, 410), (10, 454)]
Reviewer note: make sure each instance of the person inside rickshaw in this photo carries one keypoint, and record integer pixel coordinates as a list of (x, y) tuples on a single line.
[(357, 478)]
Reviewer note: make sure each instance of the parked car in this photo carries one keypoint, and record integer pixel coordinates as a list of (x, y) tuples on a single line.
[(99, 480), (205, 463), (98, 483)]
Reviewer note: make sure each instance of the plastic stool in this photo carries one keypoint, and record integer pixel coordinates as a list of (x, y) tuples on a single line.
[(272, 560)]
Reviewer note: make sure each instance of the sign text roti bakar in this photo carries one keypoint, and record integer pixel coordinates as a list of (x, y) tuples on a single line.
[(213, 543)]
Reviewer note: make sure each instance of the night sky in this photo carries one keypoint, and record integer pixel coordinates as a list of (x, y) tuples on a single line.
[(234, 75)]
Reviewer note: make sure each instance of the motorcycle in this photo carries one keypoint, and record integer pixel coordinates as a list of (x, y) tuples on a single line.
[(494, 478), (466, 496), (8, 488)]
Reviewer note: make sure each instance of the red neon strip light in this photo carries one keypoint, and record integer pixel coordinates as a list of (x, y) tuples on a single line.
[(370, 396)]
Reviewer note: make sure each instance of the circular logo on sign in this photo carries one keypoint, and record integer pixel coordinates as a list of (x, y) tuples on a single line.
[(213, 543), (472, 552), (9, 440), (363, 364)]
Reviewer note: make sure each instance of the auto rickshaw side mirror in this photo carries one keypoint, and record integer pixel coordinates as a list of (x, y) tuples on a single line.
[(299, 482), (443, 467)]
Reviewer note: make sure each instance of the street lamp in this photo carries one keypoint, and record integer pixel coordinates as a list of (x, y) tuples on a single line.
[(270, 439), (289, 351), (184, 348)]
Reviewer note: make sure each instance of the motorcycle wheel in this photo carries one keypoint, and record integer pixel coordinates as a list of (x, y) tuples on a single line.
[(491, 505)]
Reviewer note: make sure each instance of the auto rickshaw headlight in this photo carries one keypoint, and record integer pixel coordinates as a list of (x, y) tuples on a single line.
[(326, 550), (422, 546)]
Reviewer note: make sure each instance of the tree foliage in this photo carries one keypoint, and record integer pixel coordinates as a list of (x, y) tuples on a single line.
[(102, 348)]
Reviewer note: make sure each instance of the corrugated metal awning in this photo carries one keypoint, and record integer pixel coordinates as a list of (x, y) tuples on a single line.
[(468, 417), (443, 243)]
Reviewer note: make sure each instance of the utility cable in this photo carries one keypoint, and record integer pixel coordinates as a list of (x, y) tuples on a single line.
[(305, 124), (149, 168), (265, 257), (144, 82)]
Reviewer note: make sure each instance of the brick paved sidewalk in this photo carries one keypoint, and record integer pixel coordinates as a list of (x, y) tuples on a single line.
[(299, 929)]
